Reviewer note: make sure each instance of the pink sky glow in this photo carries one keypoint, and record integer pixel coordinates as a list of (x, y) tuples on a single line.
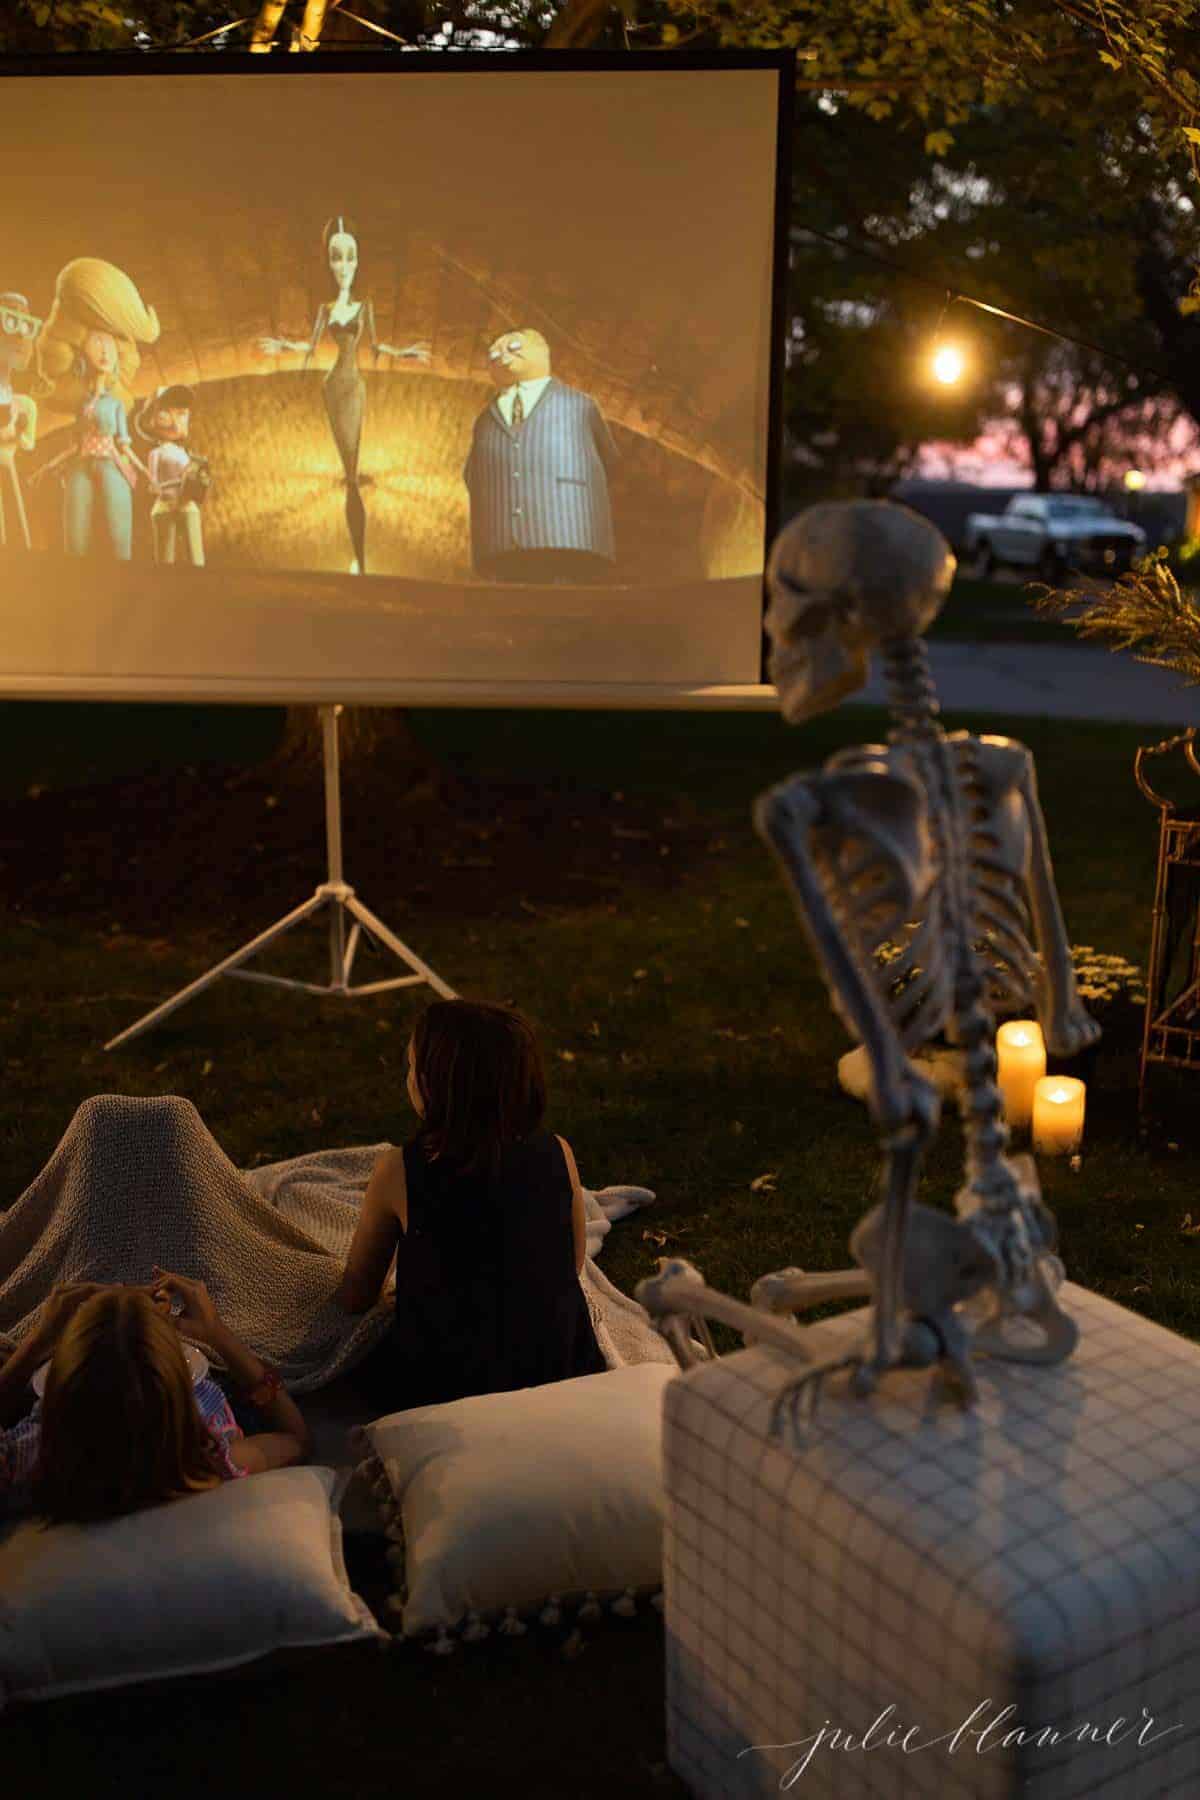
[(993, 460)]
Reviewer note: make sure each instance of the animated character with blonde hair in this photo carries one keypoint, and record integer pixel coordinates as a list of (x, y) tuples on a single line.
[(18, 412), (93, 334)]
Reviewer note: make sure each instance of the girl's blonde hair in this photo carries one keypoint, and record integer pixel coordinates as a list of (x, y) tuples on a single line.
[(93, 295), (120, 1427)]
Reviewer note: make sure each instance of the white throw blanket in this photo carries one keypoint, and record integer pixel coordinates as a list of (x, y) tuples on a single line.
[(135, 1182)]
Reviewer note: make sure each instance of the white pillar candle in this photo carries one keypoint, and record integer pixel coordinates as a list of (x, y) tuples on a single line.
[(1058, 1103), (1020, 1065)]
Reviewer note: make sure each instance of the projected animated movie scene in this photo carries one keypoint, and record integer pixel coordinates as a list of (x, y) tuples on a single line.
[(439, 364)]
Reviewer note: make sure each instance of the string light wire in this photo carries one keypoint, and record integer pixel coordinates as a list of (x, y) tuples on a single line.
[(954, 297)]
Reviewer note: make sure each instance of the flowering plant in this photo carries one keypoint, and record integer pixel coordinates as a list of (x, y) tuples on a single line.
[(1102, 979)]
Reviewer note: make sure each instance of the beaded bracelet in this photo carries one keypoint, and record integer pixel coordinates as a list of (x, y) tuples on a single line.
[(265, 1390)]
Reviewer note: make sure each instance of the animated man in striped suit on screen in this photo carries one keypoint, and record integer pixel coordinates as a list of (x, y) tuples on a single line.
[(537, 473)]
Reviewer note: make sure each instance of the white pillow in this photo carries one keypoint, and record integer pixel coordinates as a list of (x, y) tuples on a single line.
[(206, 1583), (512, 1502)]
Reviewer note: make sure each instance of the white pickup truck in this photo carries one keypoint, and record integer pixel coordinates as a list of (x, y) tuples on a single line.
[(1054, 533)]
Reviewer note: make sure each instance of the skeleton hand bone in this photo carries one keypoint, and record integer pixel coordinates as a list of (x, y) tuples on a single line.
[(1070, 1029)]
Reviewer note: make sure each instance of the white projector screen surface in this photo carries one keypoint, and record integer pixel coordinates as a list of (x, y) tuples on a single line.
[(386, 384)]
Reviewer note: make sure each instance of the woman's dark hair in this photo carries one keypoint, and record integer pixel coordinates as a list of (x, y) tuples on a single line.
[(479, 1073)]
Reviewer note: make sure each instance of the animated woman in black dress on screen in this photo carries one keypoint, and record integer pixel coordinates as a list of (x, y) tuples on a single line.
[(344, 391)]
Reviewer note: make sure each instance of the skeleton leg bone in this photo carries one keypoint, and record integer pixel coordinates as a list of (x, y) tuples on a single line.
[(678, 1293)]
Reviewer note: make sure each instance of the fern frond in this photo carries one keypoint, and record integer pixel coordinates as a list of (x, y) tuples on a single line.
[(1145, 611)]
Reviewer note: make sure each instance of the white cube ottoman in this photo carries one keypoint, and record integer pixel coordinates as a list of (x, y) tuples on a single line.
[(858, 1616)]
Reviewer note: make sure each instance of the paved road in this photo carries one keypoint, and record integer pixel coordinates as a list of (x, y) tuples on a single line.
[(1056, 681)]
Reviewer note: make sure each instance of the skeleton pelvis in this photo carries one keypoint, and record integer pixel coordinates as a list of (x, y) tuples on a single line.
[(1037, 1330), (945, 1263)]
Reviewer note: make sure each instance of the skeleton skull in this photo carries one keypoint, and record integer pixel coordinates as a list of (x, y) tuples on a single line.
[(845, 577)]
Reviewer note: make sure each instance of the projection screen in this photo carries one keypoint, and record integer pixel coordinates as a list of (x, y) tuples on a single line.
[(450, 379)]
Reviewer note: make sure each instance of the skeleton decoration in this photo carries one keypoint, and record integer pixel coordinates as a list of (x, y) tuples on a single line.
[(935, 841)]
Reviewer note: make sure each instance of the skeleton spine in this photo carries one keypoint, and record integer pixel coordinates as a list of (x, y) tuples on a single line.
[(914, 704)]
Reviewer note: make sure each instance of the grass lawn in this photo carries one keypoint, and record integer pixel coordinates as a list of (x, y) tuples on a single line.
[(600, 870)]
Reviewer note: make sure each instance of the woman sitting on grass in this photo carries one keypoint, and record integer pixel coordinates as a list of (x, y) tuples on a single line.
[(120, 1425), (484, 1214)]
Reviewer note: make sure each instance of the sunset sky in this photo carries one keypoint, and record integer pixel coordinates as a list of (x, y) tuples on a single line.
[(993, 460)]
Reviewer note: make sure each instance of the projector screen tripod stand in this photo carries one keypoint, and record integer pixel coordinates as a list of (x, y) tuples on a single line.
[(348, 919)]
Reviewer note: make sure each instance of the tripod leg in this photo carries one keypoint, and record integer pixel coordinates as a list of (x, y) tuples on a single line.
[(337, 948), (351, 947), (222, 968), (378, 929)]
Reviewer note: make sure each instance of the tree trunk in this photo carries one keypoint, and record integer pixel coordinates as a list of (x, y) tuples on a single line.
[(1160, 287), (1033, 424), (375, 741), (578, 25)]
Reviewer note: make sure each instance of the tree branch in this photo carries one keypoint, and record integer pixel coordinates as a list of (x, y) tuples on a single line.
[(578, 25)]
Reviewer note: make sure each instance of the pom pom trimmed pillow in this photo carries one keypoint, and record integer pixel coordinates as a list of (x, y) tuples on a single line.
[(519, 1502)]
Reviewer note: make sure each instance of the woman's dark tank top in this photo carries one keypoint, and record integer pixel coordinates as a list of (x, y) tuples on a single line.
[(487, 1295)]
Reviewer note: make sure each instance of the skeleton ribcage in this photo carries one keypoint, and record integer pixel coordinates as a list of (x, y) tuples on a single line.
[(899, 919), (907, 961), (919, 978)]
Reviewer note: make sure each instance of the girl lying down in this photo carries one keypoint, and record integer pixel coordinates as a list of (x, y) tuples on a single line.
[(123, 1417)]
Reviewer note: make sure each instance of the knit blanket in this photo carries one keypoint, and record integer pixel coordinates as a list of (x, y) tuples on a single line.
[(135, 1182)]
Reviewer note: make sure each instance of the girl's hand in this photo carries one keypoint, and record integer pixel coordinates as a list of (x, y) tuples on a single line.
[(199, 1318), (60, 1307)]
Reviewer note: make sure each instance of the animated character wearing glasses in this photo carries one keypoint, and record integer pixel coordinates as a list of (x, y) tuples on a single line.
[(18, 413), (537, 473)]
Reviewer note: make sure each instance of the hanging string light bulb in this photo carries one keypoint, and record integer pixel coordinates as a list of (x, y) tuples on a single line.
[(948, 364)]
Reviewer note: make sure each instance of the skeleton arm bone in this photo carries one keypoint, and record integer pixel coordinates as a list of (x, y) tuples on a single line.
[(785, 818), (1068, 1026), (792, 1290)]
